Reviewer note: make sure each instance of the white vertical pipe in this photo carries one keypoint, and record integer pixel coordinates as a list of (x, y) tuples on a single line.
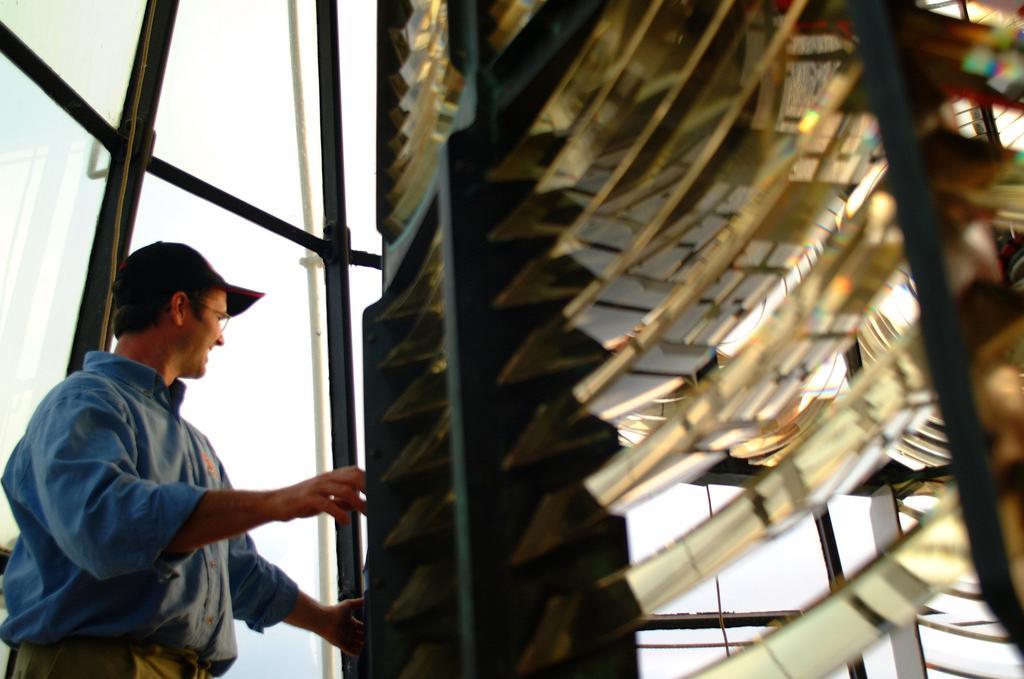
[(324, 526), (885, 530), (314, 280)]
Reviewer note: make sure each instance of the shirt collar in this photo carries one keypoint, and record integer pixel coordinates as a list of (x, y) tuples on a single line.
[(135, 374)]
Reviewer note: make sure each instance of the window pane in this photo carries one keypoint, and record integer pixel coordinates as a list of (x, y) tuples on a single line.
[(227, 112), (649, 529), (657, 659), (256, 400), (358, 50), (50, 191), (851, 520), (787, 573), (91, 45)]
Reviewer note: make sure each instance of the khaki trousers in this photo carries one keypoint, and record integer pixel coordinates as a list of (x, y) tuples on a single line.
[(106, 659)]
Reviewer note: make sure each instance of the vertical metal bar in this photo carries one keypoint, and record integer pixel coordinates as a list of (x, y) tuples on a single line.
[(497, 604), (991, 129), (326, 531), (389, 647), (834, 569), (471, 481), (472, 478), (885, 530), (946, 350), (128, 163), (339, 320), (387, 63), (854, 359)]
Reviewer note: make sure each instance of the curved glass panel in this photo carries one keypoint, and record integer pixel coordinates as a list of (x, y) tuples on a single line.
[(51, 185), (256, 401), (91, 45)]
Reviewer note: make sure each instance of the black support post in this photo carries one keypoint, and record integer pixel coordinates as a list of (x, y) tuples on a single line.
[(947, 352), (473, 476), (128, 161), (472, 481), (336, 260), (729, 620)]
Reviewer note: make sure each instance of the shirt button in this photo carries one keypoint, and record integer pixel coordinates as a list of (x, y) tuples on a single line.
[(209, 620), (213, 563)]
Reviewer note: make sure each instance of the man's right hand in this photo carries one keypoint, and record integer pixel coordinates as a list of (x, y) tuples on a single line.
[(335, 492), (223, 514)]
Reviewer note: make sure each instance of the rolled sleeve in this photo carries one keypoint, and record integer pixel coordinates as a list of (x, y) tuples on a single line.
[(104, 517), (261, 593), (176, 502)]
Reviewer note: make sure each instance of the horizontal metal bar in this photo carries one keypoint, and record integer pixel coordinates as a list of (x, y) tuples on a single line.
[(683, 647), (62, 94), (715, 620), (197, 187), (367, 259), (736, 472)]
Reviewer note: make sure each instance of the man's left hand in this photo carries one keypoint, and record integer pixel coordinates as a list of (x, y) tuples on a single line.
[(343, 629)]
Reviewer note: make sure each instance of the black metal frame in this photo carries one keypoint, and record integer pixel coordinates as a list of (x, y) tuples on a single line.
[(497, 603), (389, 646), (125, 176), (944, 343), (132, 164), (472, 478), (339, 319), (113, 140), (726, 619)]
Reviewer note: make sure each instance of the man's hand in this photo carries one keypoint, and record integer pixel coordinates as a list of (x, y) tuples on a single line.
[(343, 629), (334, 492), (223, 514), (335, 624)]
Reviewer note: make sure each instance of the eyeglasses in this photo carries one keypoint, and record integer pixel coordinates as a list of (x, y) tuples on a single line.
[(222, 318)]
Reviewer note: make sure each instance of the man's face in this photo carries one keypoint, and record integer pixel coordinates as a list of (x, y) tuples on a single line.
[(204, 332)]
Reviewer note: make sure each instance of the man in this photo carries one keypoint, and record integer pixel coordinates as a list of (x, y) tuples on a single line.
[(133, 557)]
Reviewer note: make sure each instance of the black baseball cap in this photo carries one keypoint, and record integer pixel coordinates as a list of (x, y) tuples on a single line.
[(165, 268)]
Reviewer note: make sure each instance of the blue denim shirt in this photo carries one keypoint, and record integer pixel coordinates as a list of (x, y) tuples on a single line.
[(106, 474)]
